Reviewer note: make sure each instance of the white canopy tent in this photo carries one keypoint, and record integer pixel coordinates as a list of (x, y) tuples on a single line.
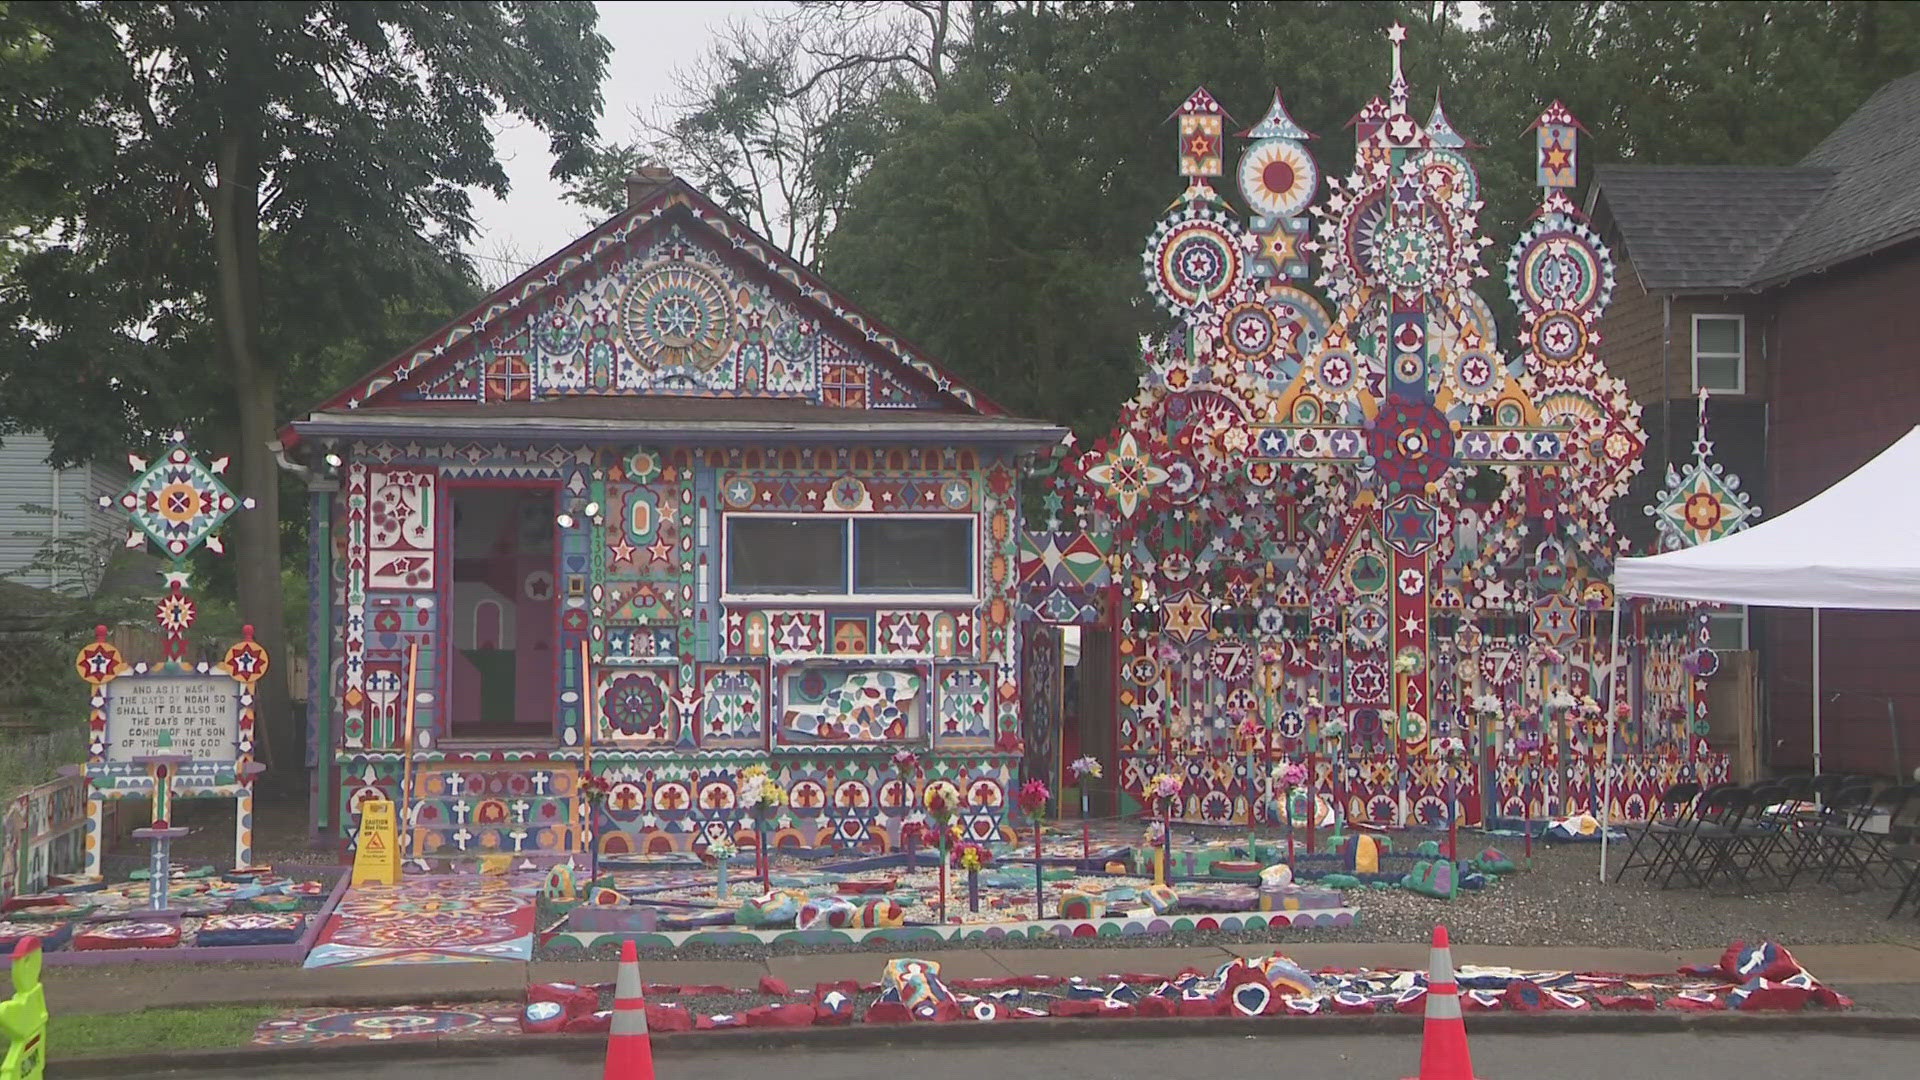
[(1854, 545)]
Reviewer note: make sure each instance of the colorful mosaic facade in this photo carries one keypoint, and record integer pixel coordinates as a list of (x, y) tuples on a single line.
[(663, 681), (1348, 529)]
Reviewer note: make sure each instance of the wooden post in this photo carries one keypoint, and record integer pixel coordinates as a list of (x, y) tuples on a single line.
[(406, 743)]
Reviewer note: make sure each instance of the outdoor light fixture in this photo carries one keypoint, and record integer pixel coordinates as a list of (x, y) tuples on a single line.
[(593, 510), (565, 521), (333, 461)]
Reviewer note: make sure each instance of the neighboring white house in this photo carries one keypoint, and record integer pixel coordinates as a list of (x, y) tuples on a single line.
[(27, 480)]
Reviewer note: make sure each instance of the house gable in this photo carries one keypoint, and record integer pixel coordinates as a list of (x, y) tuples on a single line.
[(670, 298)]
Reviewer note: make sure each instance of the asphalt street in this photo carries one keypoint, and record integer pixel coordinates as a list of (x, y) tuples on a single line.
[(1496, 1057)]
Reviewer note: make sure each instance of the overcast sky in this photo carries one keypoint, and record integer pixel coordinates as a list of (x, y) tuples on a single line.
[(650, 40)]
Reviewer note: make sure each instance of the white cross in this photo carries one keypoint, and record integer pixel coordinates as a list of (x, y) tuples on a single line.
[(518, 836), (460, 811), (461, 837), (520, 808), (540, 781), (943, 638), (456, 784), (756, 638)]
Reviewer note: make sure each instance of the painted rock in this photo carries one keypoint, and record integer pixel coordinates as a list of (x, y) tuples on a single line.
[(833, 1009), (1276, 876), (768, 910), (1431, 877), (1767, 960), (1474, 881), (605, 897), (542, 1017), (560, 884), (1075, 904), (917, 986), (881, 911), (1360, 854), (1161, 898), (1340, 881), (1494, 861), (824, 913)]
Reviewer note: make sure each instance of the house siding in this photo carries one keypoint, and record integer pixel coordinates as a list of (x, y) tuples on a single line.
[(27, 480), (1848, 388)]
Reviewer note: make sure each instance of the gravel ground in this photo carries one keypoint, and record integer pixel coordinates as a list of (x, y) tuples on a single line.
[(1560, 901)]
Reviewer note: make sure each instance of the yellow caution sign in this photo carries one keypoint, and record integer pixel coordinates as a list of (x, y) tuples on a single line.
[(377, 858)]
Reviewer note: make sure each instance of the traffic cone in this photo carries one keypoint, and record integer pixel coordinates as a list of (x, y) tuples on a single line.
[(1443, 1045), (629, 1047)]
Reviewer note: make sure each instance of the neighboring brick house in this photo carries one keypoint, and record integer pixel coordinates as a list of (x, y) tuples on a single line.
[(1789, 293)]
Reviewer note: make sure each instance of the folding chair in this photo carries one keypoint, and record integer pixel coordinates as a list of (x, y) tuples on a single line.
[(1758, 835), (1705, 846), (1832, 842), (1909, 853), (1662, 830), (1876, 861)]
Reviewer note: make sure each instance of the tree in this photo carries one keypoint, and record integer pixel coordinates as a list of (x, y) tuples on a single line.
[(1000, 221), (240, 199), (777, 121)]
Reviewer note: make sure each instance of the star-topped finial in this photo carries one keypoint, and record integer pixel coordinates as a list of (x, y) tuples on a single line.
[(1397, 34)]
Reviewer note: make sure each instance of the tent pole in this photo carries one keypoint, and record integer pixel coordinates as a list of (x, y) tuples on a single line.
[(1816, 691), (1606, 763)]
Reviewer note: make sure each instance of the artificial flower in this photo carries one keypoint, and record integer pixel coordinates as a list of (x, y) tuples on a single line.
[(1085, 767), (942, 800), (595, 788), (1407, 663), (1289, 775), (905, 760), (1333, 728), (972, 857), (1553, 655), (723, 848), (1166, 786), (1033, 796)]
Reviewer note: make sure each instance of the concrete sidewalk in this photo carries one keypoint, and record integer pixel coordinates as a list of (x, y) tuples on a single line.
[(135, 987)]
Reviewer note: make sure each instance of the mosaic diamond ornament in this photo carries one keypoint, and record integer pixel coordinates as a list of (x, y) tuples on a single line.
[(1701, 502), (177, 502)]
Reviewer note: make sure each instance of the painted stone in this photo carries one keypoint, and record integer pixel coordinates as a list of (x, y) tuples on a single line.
[(1161, 898), (1474, 880), (1427, 849), (824, 913), (917, 986), (1277, 876), (1075, 904), (1494, 861), (768, 910), (881, 911), (604, 897), (1360, 854), (1340, 881), (560, 884), (1431, 877)]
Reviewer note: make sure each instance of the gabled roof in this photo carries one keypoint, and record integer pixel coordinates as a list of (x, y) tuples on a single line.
[(668, 204), (1736, 227), (1703, 228), (1874, 202)]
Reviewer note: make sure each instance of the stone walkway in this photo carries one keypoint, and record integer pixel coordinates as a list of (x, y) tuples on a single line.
[(133, 987)]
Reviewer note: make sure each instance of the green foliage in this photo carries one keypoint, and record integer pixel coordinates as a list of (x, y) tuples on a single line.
[(1001, 223)]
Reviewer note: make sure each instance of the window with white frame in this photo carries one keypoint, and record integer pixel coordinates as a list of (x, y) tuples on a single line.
[(1720, 353), (1727, 628), (823, 555)]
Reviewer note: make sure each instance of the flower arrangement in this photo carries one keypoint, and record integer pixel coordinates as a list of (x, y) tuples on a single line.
[(722, 849), (1560, 699), (1408, 662), (1289, 775), (1166, 786), (916, 832), (1553, 656), (1333, 728), (1156, 834), (1623, 711), (1033, 796), (758, 790), (1249, 728), (1488, 706), (906, 761), (1451, 748), (972, 857), (595, 788), (1085, 768), (942, 801)]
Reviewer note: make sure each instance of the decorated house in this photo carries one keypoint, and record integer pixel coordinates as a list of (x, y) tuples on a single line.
[(1783, 292), (663, 509)]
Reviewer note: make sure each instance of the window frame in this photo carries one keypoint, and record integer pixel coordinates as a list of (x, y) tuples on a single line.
[(1739, 357), (1732, 611), (851, 594)]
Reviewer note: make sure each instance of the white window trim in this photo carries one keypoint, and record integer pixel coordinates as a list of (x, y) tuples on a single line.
[(1741, 612), (1740, 358), (849, 598)]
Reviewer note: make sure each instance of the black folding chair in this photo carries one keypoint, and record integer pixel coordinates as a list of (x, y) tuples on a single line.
[(1831, 841), (1907, 853), (1661, 831), (1758, 835), (1706, 845), (1877, 864)]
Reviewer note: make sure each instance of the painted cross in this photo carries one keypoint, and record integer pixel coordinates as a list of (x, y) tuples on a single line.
[(461, 836), (460, 811), (520, 808), (540, 780)]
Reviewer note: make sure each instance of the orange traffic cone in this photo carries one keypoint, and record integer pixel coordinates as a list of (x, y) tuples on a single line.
[(629, 1047), (1443, 1045)]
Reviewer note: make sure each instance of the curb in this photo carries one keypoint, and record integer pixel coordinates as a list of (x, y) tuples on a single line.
[(1008, 1032)]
